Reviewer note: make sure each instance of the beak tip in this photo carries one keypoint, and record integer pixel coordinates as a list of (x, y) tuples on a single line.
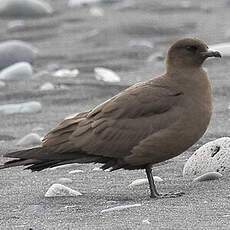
[(217, 54)]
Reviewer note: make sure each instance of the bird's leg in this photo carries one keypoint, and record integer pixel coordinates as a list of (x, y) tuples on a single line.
[(152, 186)]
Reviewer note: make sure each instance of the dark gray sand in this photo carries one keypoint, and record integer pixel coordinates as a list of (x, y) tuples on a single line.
[(74, 39)]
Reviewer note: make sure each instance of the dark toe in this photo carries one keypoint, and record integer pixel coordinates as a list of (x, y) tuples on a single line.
[(169, 195)]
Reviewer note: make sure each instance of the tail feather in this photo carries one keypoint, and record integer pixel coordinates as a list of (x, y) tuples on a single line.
[(37, 152), (42, 165), (40, 158), (19, 162)]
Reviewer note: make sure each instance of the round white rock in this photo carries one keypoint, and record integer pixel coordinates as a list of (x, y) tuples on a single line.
[(17, 72), (214, 156)]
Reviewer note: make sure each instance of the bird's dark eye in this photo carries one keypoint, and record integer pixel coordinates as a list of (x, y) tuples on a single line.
[(191, 48)]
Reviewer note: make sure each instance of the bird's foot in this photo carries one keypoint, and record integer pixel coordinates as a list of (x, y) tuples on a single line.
[(167, 195)]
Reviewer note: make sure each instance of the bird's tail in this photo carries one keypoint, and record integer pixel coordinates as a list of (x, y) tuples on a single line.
[(39, 158)]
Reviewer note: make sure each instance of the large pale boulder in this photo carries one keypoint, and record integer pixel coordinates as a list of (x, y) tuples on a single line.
[(214, 156)]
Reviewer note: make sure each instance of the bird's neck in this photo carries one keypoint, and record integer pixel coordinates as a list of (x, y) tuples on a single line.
[(172, 69), (190, 79), (188, 74)]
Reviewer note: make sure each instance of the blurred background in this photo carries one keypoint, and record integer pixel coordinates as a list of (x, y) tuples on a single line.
[(59, 57)]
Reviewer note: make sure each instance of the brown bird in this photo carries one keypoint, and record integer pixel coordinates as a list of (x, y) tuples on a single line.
[(145, 124)]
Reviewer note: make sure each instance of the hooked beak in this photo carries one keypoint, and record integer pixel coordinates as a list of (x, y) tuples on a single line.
[(211, 53)]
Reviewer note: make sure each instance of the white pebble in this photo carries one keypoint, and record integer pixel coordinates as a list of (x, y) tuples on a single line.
[(66, 73), (64, 166), (25, 8), (14, 51), (29, 140), (208, 176), (107, 75), (119, 208), (47, 87), (144, 181), (27, 107), (76, 171), (64, 180), (2, 84), (97, 169), (214, 156), (18, 71), (96, 11), (61, 190)]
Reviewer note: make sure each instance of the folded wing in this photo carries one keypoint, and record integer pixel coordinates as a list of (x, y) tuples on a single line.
[(115, 127)]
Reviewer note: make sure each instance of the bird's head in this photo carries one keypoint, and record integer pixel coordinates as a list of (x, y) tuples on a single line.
[(189, 52)]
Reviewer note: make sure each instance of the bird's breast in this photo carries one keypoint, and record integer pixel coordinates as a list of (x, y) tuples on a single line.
[(194, 119)]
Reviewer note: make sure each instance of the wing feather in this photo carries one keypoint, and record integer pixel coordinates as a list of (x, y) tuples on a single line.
[(115, 127)]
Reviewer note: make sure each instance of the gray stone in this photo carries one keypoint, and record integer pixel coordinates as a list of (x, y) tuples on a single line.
[(25, 8), (14, 51)]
